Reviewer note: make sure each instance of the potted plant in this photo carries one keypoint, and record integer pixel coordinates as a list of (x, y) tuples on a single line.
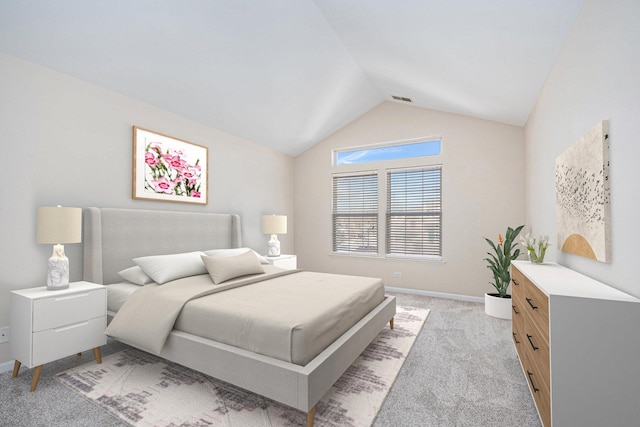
[(498, 304), (536, 247)]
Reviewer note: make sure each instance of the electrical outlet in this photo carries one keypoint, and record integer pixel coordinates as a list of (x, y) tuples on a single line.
[(4, 334), (397, 274)]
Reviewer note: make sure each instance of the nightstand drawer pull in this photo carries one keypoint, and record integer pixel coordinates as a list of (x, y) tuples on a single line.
[(515, 309), (531, 342), (515, 282), (72, 297), (529, 301), (66, 328), (515, 338), (530, 375)]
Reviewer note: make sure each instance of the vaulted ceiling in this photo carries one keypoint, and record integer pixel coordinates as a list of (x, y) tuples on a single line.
[(288, 73)]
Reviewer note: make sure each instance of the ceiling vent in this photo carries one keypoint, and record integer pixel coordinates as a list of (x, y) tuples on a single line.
[(401, 98)]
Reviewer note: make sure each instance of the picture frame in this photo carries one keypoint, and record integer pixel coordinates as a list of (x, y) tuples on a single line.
[(169, 169)]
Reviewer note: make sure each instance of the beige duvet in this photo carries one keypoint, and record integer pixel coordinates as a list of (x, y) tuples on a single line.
[(288, 315)]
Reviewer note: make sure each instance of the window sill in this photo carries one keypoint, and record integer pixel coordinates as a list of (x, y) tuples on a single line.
[(425, 259)]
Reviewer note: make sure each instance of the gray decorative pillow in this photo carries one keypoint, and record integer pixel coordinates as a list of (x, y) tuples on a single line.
[(235, 251), (223, 268), (165, 268), (135, 275)]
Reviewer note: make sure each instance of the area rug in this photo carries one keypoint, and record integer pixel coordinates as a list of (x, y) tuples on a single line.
[(145, 390)]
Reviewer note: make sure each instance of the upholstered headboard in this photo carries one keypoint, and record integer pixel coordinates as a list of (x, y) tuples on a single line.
[(113, 237)]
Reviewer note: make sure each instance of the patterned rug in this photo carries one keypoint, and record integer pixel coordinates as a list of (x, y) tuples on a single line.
[(145, 390)]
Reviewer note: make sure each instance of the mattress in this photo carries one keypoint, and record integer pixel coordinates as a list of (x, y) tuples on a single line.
[(292, 318), (117, 294)]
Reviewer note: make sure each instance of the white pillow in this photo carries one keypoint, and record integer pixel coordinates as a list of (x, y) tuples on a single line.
[(135, 275), (164, 268), (235, 251), (223, 268)]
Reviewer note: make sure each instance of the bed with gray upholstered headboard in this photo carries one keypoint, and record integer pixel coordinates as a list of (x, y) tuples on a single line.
[(114, 237)]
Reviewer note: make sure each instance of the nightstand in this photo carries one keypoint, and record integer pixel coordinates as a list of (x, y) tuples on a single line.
[(288, 262), (49, 325)]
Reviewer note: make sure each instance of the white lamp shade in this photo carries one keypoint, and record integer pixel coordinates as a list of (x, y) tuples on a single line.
[(59, 225), (274, 224)]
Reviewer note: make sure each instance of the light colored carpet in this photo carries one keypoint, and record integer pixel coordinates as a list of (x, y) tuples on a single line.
[(462, 371), (145, 390)]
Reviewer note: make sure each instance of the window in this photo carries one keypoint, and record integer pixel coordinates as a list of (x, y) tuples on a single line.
[(414, 212), (355, 213), (395, 151), (393, 208)]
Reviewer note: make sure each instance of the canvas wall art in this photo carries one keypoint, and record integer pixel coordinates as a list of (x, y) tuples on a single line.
[(168, 169), (583, 205)]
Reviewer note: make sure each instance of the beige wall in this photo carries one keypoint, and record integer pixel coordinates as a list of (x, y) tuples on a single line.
[(482, 184), (596, 77), (68, 142)]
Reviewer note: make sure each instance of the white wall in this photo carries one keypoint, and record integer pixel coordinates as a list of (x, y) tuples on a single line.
[(68, 142), (596, 77), (482, 188)]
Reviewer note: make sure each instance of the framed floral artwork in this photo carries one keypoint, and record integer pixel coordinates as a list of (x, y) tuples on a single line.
[(168, 169)]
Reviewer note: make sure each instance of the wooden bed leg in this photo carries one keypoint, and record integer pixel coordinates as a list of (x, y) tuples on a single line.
[(310, 416), (391, 323)]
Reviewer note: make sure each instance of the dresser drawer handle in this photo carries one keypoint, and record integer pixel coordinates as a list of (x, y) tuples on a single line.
[(529, 301), (515, 338), (530, 375), (515, 282), (531, 342), (515, 309)]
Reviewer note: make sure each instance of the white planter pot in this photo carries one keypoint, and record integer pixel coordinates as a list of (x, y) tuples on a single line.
[(497, 307)]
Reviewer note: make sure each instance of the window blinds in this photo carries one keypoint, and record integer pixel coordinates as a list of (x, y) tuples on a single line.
[(355, 212), (414, 212)]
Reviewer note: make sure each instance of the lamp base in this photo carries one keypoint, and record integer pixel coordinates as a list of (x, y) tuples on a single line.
[(274, 246), (58, 272)]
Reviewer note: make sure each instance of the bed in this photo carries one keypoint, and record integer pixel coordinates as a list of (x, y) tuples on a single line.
[(114, 237)]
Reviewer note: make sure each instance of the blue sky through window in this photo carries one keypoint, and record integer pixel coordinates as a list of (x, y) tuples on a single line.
[(390, 152)]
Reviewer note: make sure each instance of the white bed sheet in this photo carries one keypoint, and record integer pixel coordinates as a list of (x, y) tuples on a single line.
[(117, 293)]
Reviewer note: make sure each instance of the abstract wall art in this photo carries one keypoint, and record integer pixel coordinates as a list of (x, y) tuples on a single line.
[(583, 205), (168, 169)]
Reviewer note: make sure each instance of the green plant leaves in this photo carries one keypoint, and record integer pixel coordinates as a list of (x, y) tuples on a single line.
[(500, 262)]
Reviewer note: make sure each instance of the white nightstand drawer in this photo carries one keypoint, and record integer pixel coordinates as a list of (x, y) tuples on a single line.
[(54, 344), (68, 309)]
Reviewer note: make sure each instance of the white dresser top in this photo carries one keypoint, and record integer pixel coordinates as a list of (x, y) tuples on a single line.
[(554, 279)]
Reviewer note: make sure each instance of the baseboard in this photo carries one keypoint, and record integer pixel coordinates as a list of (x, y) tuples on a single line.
[(435, 294), (6, 366)]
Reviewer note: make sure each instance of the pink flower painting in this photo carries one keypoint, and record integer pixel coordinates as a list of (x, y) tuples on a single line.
[(172, 169)]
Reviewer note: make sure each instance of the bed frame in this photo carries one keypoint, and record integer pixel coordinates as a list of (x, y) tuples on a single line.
[(112, 237)]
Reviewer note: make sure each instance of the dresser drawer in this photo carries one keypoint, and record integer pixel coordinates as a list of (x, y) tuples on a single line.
[(536, 305), (540, 392), (54, 344), (517, 313), (537, 351), (517, 283), (68, 309), (517, 332)]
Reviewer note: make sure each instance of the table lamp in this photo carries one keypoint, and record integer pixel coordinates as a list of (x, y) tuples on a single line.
[(274, 225), (58, 225)]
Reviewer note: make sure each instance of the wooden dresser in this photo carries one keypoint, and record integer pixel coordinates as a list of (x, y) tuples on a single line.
[(578, 341)]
